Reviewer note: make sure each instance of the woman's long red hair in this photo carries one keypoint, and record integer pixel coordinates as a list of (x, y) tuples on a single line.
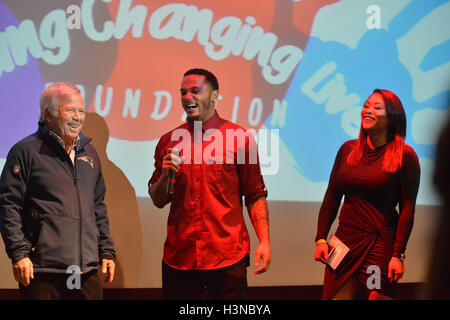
[(395, 136)]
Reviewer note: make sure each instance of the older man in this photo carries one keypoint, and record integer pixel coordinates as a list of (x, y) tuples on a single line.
[(52, 216)]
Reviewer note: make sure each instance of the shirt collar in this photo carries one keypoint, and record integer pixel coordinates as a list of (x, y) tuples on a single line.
[(61, 141), (212, 123)]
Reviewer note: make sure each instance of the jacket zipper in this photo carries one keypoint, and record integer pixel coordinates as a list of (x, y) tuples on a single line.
[(79, 209)]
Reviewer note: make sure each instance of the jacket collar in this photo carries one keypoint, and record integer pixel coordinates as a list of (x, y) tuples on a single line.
[(49, 135)]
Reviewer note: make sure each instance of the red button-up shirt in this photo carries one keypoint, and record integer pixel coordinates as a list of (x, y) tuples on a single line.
[(206, 227)]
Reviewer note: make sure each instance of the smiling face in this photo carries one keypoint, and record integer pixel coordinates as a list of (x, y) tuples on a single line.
[(197, 98), (373, 113), (68, 121)]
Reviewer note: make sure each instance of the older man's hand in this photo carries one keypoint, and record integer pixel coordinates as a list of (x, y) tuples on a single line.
[(23, 271)]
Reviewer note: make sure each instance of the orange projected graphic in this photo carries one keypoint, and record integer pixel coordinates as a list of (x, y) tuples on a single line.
[(159, 40)]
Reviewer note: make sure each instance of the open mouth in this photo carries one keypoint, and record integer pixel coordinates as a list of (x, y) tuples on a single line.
[(368, 118), (192, 107), (74, 126)]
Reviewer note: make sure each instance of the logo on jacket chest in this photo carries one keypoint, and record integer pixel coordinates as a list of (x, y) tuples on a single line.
[(16, 169), (88, 160)]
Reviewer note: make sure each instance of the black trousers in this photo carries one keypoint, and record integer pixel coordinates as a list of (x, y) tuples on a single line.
[(54, 287), (229, 283)]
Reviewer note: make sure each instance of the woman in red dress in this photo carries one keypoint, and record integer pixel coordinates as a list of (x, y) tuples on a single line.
[(376, 172)]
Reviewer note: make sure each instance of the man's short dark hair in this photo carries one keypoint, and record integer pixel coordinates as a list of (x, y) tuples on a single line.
[(210, 77)]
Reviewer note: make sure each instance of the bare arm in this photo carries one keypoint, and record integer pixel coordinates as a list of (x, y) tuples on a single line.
[(157, 192), (259, 216)]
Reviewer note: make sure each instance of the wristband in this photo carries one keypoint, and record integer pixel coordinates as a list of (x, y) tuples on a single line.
[(401, 257), (321, 241)]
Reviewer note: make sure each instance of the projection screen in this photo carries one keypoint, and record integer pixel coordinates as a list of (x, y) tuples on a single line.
[(295, 71)]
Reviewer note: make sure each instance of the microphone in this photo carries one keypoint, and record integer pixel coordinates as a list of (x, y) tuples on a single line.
[(172, 176)]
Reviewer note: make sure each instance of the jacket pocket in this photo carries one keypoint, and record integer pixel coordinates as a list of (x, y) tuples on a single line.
[(58, 243), (90, 241), (31, 226)]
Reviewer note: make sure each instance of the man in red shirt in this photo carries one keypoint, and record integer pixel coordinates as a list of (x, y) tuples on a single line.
[(216, 165)]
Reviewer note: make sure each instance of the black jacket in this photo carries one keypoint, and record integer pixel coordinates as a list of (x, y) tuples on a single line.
[(52, 210)]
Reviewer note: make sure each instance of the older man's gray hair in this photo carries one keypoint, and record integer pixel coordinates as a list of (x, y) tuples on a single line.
[(57, 89)]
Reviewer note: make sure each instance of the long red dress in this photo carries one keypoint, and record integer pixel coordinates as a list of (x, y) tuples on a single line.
[(369, 223)]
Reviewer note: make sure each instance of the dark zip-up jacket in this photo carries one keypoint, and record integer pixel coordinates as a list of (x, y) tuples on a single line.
[(51, 209)]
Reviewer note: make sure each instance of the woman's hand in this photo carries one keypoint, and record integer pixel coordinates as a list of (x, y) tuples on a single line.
[(321, 252), (396, 269)]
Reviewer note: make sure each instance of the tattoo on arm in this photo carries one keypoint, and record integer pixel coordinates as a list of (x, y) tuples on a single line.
[(259, 215)]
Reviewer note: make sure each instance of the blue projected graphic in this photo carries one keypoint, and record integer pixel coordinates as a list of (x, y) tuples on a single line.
[(119, 61), (333, 81), (19, 90)]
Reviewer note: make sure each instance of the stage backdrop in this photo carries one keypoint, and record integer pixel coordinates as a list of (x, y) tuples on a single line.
[(295, 71)]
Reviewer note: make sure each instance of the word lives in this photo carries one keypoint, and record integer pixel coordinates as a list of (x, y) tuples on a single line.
[(332, 92)]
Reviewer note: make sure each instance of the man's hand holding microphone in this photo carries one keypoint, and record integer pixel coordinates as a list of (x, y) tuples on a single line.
[(171, 165), (161, 192)]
